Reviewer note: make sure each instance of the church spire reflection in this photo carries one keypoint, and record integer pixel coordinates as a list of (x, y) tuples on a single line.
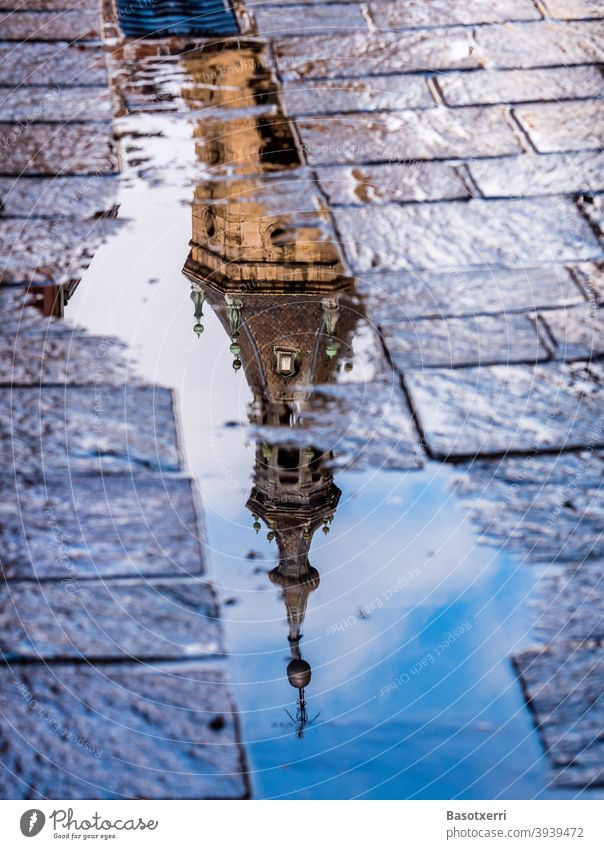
[(275, 280)]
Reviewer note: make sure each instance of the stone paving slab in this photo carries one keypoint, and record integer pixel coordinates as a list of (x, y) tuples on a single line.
[(59, 63), (492, 410), (479, 340), (61, 358), (48, 5), (429, 13), (549, 174), (554, 127), (74, 103), (77, 25), (570, 603), (593, 209), (540, 44), (109, 620), (57, 197), (577, 331), (550, 509), (488, 87), (43, 149), (291, 19), (394, 182), (476, 233), (361, 55), (574, 9), (94, 428), (400, 295), (563, 685), (76, 527), (112, 732), (356, 95), (41, 250), (428, 134)]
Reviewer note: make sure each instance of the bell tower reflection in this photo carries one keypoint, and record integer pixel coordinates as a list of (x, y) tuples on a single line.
[(275, 280)]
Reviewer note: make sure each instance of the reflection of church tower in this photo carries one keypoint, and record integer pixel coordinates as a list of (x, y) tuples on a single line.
[(276, 282)]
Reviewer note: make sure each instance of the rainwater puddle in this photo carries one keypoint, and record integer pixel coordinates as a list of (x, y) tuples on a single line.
[(372, 660)]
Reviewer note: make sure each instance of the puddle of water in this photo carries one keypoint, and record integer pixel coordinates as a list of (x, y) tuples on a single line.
[(381, 670)]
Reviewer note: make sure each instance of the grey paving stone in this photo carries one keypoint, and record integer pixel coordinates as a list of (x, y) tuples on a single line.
[(61, 197), (44, 149), (475, 233), (77, 527), (294, 19), (549, 509), (361, 55), (127, 731), (563, 126), (88, 428), (539, 175), (591, 277), (400, 295), (394, 182), (429, 13), (480, 340), (36, 103), (570, 603), (80, 24), (574, 9), (61, 358), (578, 331), (564, 686), (365, 424), (108, 619), (498, 409), (60, 63), (42, 250), (593, 209), (48, 5), (539, 44), (429, 134), (356, 95), (484, 87)]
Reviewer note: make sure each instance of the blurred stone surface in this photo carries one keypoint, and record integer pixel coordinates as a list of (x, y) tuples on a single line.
[(291, 19), (95, 428), (364, 54), (108, 619), (119, 732), (357, 95), (60, 63), (42, 149), (574, 9), (390, 137), (85, 526), (563, 126), (54, 103), (401, 295), (563, 685), (71, 25), (475, 340), (486, 87), (549, 509), (430, 13), (539, 44), (570, 605), (57, 197), (498, 409), (578, 332), (392, 182), (539, 175), (476, 233), (36, 250)]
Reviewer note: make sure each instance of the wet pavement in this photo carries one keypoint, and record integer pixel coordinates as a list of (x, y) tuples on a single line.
[(392, 222)]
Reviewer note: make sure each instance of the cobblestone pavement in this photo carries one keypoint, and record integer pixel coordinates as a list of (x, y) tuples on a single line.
[(456, 149), (112, 685), (459, 148)]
